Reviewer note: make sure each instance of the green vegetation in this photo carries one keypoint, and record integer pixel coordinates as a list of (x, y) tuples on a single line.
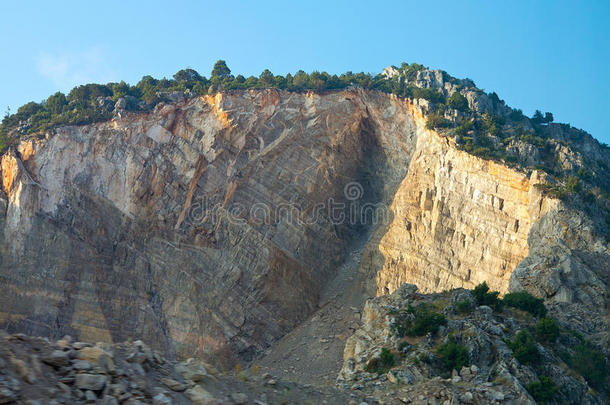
[(463, 307), (436, 121), (476, 136), (458, 102), (590, 363), (432, 95), (381, 364), (484, 297), (94, 102), (524, 348), (543, 390), (538, 118), (452, 355), (492, 124), (547, 330), (418, 321), (525, 301), (571, 185), (464, 127)]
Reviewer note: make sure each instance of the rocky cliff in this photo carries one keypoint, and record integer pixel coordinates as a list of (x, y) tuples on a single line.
[(208, 225), (457, 220), (205, 227)]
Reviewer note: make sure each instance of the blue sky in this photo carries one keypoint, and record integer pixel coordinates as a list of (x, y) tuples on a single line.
[(547, 55)]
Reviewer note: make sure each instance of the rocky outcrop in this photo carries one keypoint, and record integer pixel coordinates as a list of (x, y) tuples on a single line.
[(490, 371), (568, 266)]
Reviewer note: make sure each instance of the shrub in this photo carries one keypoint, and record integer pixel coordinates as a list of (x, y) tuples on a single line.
[(465, 125), (404, 347), (542, 391), (381, 364), (458, 101), (484, 297), (547, 330), (516, 115), (418, 321), (590, 363), (526, 302), (432, 95), (5, 142), (436, 121), (452, 355), (492, 124), (463, 307), (533, 140), (524, 348)]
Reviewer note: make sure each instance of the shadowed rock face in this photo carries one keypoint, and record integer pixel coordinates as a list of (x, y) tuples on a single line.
[(208, 226), (205, 227)]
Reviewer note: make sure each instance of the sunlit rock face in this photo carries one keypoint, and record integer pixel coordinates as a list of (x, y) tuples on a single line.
[(457, 220), (208, 226)]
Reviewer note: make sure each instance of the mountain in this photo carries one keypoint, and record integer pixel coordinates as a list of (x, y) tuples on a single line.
[(212, 225)]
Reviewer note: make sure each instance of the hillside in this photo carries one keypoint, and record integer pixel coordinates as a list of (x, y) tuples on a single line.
[(233, 220)]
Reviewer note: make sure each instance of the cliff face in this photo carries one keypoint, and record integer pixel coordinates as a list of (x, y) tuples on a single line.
[(209, 225), (457, 220), (205, 227)]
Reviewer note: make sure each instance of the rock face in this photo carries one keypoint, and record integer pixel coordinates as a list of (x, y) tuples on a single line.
[(457, 220), (208, 226), (205, 227), (568, 266)]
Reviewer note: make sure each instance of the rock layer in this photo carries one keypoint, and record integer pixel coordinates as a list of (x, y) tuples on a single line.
[(205, 227), (457, 220)]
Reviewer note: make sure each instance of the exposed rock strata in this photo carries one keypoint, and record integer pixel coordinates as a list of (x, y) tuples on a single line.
[(197, 227), (458, 220), (207, 227)]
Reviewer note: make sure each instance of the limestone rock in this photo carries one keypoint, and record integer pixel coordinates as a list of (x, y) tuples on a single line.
[(197, 225), (93, 382), (199, 396), (58, 358)]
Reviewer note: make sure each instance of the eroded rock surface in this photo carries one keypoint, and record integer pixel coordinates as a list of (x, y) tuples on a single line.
[(209, 226), (206, 227)]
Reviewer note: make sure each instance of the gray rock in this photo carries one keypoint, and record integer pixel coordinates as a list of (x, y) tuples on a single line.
[(7, 395), (81, 365), (239, 398), (90, 396), (173, 384), (200, 396), (192, 371), (162, 399), (58, 358), (121, 104), (93, 382), (23, 371), (106, 363), (81, 345), (108, 400)]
